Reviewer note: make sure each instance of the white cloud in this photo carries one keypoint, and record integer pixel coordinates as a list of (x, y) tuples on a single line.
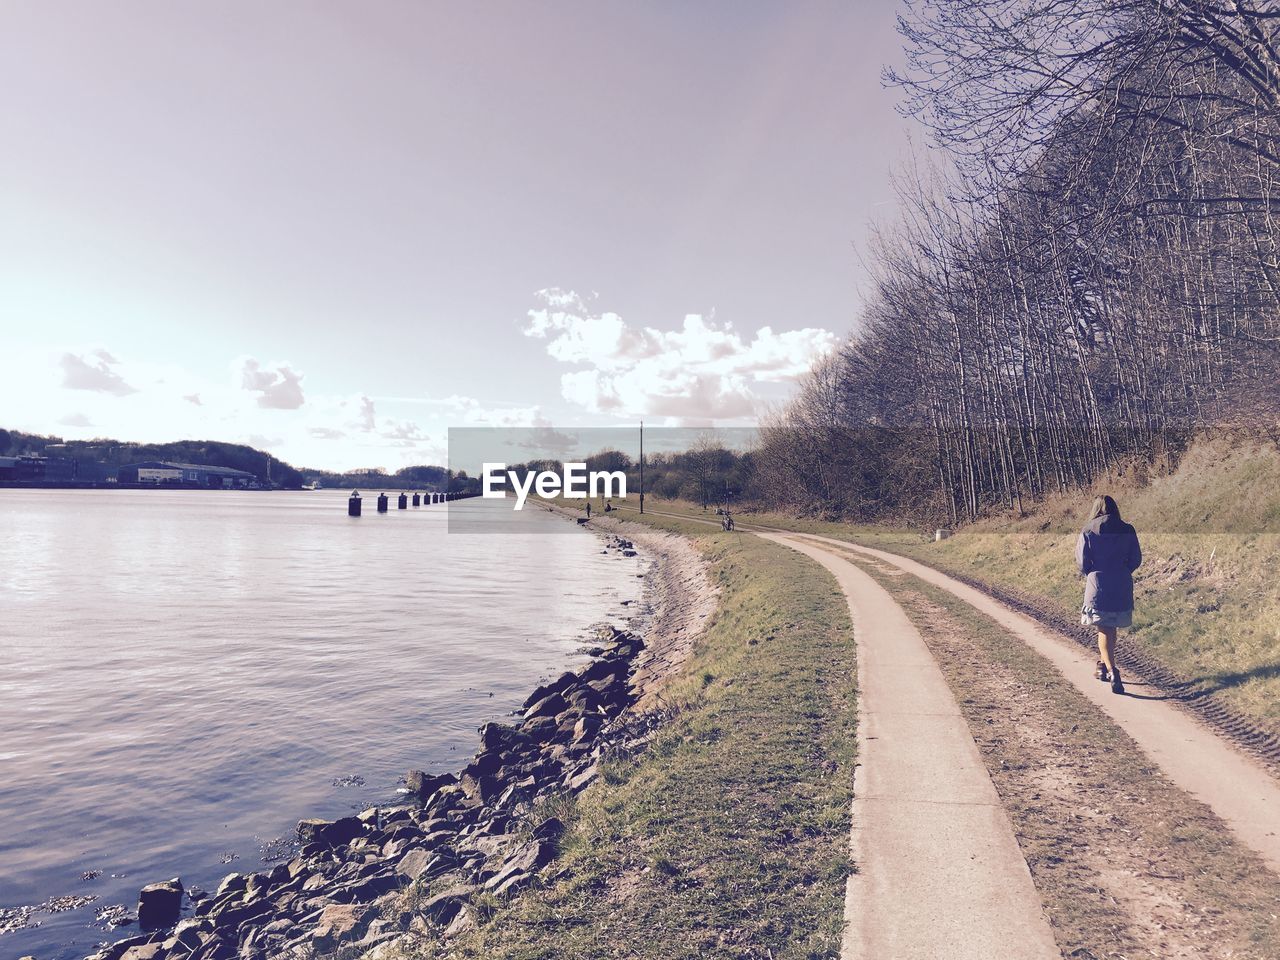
[(278, 385), (94, 373), (401, 433), (704, 371), (367, 417), (158, 402)]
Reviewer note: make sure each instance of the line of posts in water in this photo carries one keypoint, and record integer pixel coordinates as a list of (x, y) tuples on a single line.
[(355, 502)]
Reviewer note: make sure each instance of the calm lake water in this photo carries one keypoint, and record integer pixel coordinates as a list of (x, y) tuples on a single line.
[(184, 675)]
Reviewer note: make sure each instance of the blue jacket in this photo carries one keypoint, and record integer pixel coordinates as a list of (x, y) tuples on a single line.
[(1108, 553)]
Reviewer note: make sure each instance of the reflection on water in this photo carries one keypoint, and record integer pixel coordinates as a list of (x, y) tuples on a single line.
[(185, 674)]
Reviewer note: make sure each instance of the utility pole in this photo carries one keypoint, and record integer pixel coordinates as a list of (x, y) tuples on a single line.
[(642, 466)]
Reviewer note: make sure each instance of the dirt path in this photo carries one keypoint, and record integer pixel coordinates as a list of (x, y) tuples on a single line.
[(1231, 784), (1126, 863), (939, 872)]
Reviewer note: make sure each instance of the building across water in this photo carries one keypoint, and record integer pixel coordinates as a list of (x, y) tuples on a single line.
[(36, 469), (168, 473)]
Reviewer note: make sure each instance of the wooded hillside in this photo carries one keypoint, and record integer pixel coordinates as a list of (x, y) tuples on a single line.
[(1092, 278)]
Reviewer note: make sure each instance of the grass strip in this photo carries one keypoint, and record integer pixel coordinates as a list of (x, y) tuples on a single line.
[(728, 836)]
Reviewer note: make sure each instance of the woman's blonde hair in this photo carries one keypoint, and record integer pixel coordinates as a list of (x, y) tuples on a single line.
[(1104, 506)]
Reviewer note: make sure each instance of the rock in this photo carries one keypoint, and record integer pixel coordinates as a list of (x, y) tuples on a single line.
[(444, 907), (548, 706), (514, 795), (368, 888), (339, 922), (586, 728), (497, 737), (611, 687), (437, 838), (329, 834), (216, 947), (393, 949), (413, 863), (149, 951), (188, 934), (314, 882), (256, 884), (159, 904), (406, 832), (482, 765), (525, 861), (582, 779), (539, 728), (231, 917), (422, 785), (482, 787), (462, 923), (117, 949), (585, 700), (562, 682)]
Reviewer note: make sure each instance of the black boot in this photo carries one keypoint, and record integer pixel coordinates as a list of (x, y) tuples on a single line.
[(1116, 685), (1101, 672)]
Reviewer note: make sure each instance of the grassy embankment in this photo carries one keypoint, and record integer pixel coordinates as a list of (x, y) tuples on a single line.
[(728, 836), (1207, 602)]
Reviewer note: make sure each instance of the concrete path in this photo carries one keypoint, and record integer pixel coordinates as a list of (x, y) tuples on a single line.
[(1235, 787), (938, 871)]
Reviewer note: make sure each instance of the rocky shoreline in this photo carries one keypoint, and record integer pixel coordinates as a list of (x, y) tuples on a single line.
[(394, 875)]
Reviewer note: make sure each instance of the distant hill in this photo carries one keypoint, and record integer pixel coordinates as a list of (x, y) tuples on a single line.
[(435, 478), (113, 454)]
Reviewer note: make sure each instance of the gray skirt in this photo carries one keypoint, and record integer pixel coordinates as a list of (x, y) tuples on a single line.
[(1090, 617)]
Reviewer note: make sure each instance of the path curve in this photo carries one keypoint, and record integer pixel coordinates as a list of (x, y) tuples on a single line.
[(1212, 770), (1232, 784), (939, 874)]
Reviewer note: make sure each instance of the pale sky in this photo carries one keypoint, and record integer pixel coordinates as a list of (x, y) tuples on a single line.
[(333, 230)]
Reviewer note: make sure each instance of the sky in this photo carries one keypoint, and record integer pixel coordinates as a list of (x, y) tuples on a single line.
[(334, 230)]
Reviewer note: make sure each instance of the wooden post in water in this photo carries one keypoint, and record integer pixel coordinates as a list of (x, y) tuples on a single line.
[(403, 502), (382, 503), (417, 500), (353, 504)]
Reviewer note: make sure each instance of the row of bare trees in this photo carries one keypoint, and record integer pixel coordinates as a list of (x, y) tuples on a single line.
[(1093, 277)]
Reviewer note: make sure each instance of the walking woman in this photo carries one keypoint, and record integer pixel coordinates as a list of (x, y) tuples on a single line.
[(1108, 553)]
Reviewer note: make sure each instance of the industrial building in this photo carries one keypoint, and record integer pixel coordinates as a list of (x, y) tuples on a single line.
[(166, 473), (36, 469)]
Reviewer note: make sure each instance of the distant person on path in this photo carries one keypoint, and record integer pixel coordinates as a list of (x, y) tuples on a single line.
[(1108, 553), (588, 509)]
